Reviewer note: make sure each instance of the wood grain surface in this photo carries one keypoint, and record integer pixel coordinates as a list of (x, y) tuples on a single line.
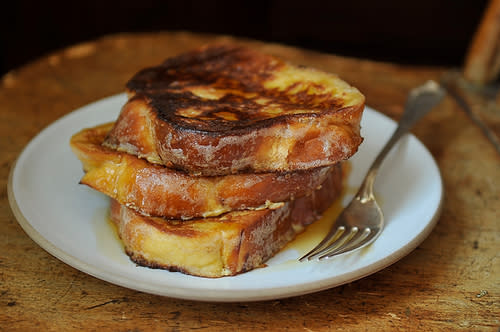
[(451, 282)]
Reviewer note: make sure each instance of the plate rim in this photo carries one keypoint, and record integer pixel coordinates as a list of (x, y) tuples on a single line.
[(247, 295)]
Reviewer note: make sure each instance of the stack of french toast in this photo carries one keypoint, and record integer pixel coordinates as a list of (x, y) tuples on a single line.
[(220, 157)]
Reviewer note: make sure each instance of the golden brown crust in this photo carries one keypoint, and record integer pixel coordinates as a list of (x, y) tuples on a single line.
[(482, 63), (222, 110), (160, 191), (220, 246)]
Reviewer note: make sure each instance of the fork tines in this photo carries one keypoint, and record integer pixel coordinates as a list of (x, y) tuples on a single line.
[(342, 240)]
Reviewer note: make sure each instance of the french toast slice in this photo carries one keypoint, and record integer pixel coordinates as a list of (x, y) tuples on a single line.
[(226, 109), (227, 245), (156, 190)]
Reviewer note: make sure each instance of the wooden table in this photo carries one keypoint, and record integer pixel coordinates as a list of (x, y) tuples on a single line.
[(450, 282)]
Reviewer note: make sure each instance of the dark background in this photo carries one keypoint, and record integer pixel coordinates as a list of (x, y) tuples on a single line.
[(412, 32)]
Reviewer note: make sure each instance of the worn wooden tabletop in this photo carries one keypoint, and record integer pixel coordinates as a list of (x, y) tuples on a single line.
[(449, 282)]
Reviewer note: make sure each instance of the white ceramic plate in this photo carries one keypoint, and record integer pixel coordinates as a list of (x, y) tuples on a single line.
[(69, 220)]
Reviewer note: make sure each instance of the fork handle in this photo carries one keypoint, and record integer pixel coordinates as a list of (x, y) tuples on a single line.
[(420, 101)]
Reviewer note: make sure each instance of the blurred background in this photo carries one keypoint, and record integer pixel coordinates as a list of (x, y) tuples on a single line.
[(413, 32)]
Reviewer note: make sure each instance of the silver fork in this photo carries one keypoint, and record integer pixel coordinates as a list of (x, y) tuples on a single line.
[(362, 221)]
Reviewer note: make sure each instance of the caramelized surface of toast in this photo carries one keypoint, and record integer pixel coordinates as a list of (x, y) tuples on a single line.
[(225, 109), (160, 191), (219, 246)]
